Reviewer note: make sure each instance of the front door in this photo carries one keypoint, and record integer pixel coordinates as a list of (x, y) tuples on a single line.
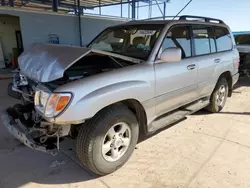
[(176, 83)]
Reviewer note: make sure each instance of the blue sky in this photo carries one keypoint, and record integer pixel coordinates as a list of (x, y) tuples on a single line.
[(235, 13)]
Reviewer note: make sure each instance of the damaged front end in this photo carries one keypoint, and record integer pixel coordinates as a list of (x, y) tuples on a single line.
[(45, 69), (29, 128)]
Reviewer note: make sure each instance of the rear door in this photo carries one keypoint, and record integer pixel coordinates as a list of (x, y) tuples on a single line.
[(227, 52), (212, 46), (176, 81), (205, 56)]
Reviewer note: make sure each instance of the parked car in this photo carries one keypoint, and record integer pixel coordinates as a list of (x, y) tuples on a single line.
[(129, 82), (243, 46)]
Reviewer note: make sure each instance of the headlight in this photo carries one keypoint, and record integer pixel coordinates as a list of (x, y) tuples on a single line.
[(51, 104)]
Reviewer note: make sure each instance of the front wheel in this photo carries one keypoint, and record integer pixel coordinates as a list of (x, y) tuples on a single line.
[(107, 141), (219, 96)]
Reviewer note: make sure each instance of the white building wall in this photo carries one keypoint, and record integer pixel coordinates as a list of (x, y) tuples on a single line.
[(36, 27)]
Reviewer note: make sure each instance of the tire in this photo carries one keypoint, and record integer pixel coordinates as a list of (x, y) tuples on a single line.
[(216, 105), (98, 131)]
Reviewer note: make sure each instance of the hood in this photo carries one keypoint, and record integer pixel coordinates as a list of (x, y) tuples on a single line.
[(243, 48), (47, 62)]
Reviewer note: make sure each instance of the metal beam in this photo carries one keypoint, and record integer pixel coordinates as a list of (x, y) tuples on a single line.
[(64, 5), (159, 7), (148, 5), (106, 5)]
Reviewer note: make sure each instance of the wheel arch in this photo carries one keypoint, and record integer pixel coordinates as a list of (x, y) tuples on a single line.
[(138, 110), (228, 76)]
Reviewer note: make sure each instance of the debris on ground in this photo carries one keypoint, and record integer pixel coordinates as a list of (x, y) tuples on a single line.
[(57, 163)]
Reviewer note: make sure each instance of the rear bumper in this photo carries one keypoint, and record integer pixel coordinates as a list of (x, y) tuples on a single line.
[(22, 134)]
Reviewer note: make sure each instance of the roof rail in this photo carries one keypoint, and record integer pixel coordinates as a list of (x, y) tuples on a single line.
[(161, 18), (206, 19)]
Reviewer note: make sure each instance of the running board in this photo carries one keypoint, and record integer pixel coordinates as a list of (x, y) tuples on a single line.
[(177, 115)]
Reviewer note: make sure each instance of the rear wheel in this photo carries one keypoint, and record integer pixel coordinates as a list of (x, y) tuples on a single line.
[(107, 141), (219, 96)]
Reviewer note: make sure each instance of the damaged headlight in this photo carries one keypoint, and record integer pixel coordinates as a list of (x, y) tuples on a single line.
[(51, 104)]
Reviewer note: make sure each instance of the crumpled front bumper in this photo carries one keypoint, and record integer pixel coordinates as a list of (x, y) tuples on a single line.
[(22, 134)]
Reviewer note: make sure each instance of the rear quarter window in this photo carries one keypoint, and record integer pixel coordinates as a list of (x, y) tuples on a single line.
[(223, 39)]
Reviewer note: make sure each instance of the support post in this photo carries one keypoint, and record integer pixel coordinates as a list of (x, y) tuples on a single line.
[(100, 10), (137, 9), (79, 21), (133, 9), (55, 5), (11, 3), (164, 10), (75, 7), (150, 9), (121, 8), (129, 10)]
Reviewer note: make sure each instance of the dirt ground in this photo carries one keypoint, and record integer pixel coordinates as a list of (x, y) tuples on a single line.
[(205, 150)]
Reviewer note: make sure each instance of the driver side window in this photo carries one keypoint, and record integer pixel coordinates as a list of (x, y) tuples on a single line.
[(178, 37)]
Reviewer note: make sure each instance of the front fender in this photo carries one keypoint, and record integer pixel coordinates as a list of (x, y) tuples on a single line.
[(87, 106)]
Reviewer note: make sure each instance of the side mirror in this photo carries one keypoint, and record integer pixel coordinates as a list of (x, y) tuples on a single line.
[(170, 55)]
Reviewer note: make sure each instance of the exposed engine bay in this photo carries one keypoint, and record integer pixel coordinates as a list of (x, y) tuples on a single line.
[(42, 133), (90, 65)]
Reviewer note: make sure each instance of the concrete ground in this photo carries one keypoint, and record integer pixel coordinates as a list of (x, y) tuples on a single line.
[(205, 150)]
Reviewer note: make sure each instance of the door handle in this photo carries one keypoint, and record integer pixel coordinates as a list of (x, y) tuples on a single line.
[(217, 60), (191, 67)]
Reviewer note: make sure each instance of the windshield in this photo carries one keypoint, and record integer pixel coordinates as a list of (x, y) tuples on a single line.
[(135, 41), (242, 39)]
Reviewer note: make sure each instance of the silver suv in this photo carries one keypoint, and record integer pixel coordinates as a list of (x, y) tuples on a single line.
[(129, 82)]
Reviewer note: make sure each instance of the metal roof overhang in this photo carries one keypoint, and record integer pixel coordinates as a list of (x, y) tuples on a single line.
[(64, 5)]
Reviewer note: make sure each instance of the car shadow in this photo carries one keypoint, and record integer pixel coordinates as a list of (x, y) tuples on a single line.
[(144, 138), (243, 82), (21, 166), (236, 113)]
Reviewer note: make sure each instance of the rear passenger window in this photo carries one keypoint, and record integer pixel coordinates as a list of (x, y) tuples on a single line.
[(223, 39), (204, 42), (178, 37)]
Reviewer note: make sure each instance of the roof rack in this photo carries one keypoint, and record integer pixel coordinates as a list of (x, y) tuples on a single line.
[(206, 19)]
